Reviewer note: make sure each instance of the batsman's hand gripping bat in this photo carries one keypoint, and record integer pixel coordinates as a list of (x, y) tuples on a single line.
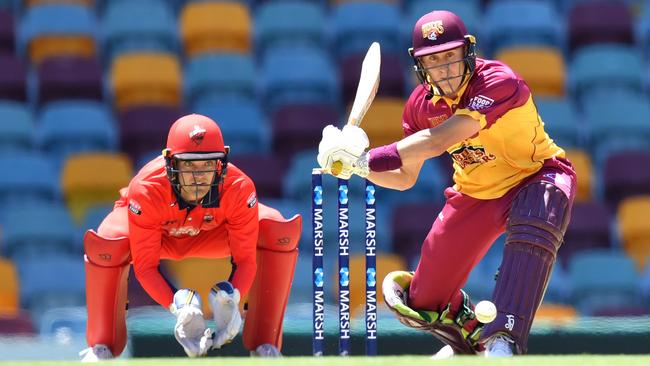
[(366, 91)]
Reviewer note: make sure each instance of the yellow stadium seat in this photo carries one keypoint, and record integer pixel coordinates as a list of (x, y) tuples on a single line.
[(582, 164), (634, 229), (94, 179), (383, 121), (44, 47), (555, 314), (215, 26), (9, 288), (200, 274), (542, 68), (146, 78), (386, 262)]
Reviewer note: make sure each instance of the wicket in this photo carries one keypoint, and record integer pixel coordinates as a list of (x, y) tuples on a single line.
[(343, 266)]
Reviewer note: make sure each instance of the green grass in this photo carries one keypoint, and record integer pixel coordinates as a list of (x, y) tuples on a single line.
[(577, 360)]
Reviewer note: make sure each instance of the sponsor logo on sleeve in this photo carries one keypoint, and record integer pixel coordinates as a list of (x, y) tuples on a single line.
[(432, 30), (479, 102), (252, 200), (134, 207)]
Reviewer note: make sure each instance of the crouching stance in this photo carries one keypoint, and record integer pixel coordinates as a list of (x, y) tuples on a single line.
[(181, 205)]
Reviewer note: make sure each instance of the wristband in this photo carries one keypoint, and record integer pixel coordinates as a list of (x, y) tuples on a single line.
[(384, 158)]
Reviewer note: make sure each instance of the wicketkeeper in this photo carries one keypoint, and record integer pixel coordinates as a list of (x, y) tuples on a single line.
[(191, 202), (509, 176)]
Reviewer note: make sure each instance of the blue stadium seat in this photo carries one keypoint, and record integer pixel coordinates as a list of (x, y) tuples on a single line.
[(521, 22), (298, 75), (561, 121), (468, 11), (17, 127), (430, 186), (291, 22), (141, 25), (64, 322), (480, 283), (595, 288), (353, 30), (218, 76), (242, 123), (36, 230), (71, 127), (32, 179), (605, 68)]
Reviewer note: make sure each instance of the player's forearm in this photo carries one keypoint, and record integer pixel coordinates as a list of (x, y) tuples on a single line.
[(420, 146), (397, 179)]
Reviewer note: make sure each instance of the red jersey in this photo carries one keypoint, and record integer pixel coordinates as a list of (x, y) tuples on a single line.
[(159, 228)]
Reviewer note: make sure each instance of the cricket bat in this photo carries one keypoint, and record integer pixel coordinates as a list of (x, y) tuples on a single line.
[(366, 91)]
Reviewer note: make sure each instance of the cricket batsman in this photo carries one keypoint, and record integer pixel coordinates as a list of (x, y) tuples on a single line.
[(509, 176), (191, 202)]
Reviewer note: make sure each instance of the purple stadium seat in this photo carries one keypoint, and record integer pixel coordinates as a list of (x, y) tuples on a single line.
[(299, 127), (391, 75), (136, 294), (588, 229), (266, 172), (14, 324), (69, 78), (604, 21), (145, 128), (411, 224), (6, 31), (626, 174), (13, 78)]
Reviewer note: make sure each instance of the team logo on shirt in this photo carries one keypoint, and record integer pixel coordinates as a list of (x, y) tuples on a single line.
[(252, 200), (208, 218), (432, 30), (134, 207), (468, 155), (479, 102), (197, 135)]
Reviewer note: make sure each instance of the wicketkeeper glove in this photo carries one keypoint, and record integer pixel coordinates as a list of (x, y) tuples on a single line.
[(224, 301), (190, 330)]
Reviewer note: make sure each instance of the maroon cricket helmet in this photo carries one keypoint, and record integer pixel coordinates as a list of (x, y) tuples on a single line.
[(438, 31)]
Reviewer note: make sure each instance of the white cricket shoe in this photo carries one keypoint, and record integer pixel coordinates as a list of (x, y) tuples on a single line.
[(96, 353), (499, 346), (444, 353), (266, 350)]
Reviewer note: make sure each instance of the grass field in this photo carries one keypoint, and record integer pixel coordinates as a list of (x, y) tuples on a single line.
[(590, 360)]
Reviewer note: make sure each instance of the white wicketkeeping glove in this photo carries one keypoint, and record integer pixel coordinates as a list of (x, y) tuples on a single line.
[(347, 147), (224, 301), (190, 330)]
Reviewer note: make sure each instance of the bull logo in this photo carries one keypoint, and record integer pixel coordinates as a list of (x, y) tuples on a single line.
[(432, 30), (197, 135)]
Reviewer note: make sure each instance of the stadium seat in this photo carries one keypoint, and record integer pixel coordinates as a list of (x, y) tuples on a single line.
[(480, 283), (262, 169), (94, 216), (146, 78), (69, 320), (383, 121), (69, 78), (582, 165), (17, 128), (87, 3), (13, 78), (292, 22), (294, 127), (212, 26), (385, 263), (555, 314), (39, 230), (589, 228), (19, 324), (351, 36), (136, 26), (6, 31), (219, 75), (391, 75), (604, 68), (596, 289), (73, 127), (561, 121), (626, 174), (634, 229), (541, 67), (521, 22), (429, 186), (289, 77), (585, 24), (243, 125), (199, 274), (93, 178), (57, 30), (411, 223), (9, 289), (32, 179), (145, 128)]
